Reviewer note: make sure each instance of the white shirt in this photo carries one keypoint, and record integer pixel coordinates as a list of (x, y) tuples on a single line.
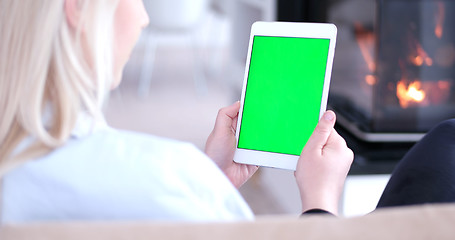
[(107, 174)]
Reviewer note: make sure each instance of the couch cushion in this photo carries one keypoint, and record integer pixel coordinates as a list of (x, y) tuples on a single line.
[(423, 222)]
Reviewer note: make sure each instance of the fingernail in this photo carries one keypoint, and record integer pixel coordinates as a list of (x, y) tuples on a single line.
[(329, 116)]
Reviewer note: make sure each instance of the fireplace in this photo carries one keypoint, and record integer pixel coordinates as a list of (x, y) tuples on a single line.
[(397, 80), (393, 75)]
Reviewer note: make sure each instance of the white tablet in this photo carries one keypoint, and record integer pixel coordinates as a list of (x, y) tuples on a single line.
[(285, 91)]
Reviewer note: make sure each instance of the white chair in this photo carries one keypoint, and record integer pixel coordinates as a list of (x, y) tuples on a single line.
[(172, 17)]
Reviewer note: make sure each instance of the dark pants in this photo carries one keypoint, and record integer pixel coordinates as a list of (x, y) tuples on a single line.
[(426, 174)]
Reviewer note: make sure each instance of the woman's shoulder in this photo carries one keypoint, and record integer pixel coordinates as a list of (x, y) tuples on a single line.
[(92, 135), (119, 148), (131, 141)]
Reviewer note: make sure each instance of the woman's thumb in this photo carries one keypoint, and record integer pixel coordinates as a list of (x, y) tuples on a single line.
[(322, 131), (227, 115)]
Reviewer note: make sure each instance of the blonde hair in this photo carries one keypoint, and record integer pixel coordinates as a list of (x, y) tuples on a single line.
[(49, 73)]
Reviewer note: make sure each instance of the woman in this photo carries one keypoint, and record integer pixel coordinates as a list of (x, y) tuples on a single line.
[(59, 160)]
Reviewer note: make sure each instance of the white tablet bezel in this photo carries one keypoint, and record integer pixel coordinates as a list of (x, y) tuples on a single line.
[(284, 29)]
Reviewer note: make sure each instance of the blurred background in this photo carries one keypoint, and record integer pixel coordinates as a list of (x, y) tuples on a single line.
[(190, 62)]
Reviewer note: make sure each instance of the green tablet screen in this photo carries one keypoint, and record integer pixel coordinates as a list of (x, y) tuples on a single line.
[(283, 93)]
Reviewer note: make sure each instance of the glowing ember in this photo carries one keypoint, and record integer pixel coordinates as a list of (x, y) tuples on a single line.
[(370, 79), (410, 93), (418, 61)]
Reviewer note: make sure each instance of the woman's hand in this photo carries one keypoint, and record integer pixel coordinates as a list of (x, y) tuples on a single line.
[(220, 146), (323, 166)]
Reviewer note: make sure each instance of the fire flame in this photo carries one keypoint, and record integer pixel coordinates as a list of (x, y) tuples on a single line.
[(365, 41), (421, 56), (365, 44), (438, 30), (410, 93)]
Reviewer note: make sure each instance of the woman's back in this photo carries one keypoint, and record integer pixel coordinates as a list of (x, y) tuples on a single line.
[(110, 174)]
